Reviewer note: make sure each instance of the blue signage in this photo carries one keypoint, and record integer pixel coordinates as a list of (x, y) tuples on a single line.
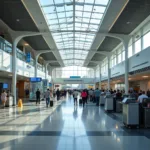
[(50, 84), (45, 82), (34, 79), (75, 77), (28, 57)]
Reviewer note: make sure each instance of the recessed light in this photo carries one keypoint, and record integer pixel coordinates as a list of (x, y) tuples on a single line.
[(145, 76), (128, 22), (17, 20), (26, 44)]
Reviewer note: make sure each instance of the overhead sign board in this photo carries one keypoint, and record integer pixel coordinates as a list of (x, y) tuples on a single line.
[(75, 77), (28, 57), (34, 79)]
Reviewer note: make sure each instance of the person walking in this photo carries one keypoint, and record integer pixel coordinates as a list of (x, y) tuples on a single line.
[(4, 98), (91, 95), (97, 94), (54, 93), (75, 96), (87, 92), (148, 93), (47, 96), (58, 94), (83, 95), (38, 93)]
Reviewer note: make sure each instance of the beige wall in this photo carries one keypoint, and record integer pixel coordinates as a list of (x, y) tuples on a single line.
[(144, 84)]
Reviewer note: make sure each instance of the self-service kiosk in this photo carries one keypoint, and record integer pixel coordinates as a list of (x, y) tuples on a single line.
[(130, 112), (109, 104)]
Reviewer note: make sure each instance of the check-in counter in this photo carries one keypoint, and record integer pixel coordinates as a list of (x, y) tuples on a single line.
[(102, 99), (130, 112), (145, 112), (109, 103)]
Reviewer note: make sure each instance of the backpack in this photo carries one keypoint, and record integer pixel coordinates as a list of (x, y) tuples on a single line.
[(84, 94)]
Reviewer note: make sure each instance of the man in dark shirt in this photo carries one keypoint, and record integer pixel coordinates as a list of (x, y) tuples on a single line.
[(38, 93), (58, 94), (118, 95), (148, 93)]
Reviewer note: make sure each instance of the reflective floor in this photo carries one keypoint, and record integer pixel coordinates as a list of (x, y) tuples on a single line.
[(67, 127)]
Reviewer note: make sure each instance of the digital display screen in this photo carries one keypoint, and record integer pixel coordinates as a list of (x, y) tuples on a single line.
[(35, 79), (5, 86)]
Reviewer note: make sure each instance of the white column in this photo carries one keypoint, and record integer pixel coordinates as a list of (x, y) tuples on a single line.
[(109, 75), (142, 41), (35, 71), (126, 68), (14, 70), (46, 65), (94, 75), (133, 45), (100, 79), (16, 37)]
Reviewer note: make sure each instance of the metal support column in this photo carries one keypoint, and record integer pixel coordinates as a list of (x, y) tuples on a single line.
[(16, 36), (109, 75), (100, 77), (14, 71), (126, 68), (36, 67)]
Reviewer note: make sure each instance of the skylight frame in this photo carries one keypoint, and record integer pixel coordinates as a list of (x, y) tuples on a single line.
[(67, 17)]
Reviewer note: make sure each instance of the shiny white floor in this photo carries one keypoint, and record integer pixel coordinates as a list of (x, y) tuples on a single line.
[(67, 127)]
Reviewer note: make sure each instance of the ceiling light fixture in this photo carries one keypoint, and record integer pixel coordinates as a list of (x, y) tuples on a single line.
[(26, 44), (145, 76), (128, 22), (17, 20)]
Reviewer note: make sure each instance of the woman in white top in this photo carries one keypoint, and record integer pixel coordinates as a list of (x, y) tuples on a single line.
[(4, 98)]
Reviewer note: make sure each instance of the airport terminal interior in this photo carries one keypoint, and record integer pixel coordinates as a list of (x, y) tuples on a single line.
[(75, 74)]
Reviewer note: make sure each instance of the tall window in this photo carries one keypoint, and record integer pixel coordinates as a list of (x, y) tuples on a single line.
[(123, 55), (138, 46), (119, 58), (130, 51), (113, 60), (146, 40)]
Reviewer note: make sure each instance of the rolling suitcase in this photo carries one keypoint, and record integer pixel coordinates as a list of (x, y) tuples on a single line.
[(80, 101), (51, 103)]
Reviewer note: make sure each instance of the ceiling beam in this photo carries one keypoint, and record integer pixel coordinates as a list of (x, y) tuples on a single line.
[(72, 3)]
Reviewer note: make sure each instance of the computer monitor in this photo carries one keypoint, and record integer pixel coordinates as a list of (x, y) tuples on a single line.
[(5, 86)]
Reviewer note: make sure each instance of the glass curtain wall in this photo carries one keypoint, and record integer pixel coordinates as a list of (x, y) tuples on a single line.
[(66, 72)]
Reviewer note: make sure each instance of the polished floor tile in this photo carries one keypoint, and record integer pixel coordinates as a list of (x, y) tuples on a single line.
[(67, 127)]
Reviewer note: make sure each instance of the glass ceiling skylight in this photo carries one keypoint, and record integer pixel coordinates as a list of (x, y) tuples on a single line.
[(73, 24)]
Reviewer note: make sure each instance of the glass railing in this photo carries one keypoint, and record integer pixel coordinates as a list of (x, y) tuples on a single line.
[(7, 47)]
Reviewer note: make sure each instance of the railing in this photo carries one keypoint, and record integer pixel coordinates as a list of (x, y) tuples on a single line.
[(7, 47), (23, 68)]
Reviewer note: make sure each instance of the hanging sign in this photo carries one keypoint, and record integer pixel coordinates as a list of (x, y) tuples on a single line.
[(28, 57)]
